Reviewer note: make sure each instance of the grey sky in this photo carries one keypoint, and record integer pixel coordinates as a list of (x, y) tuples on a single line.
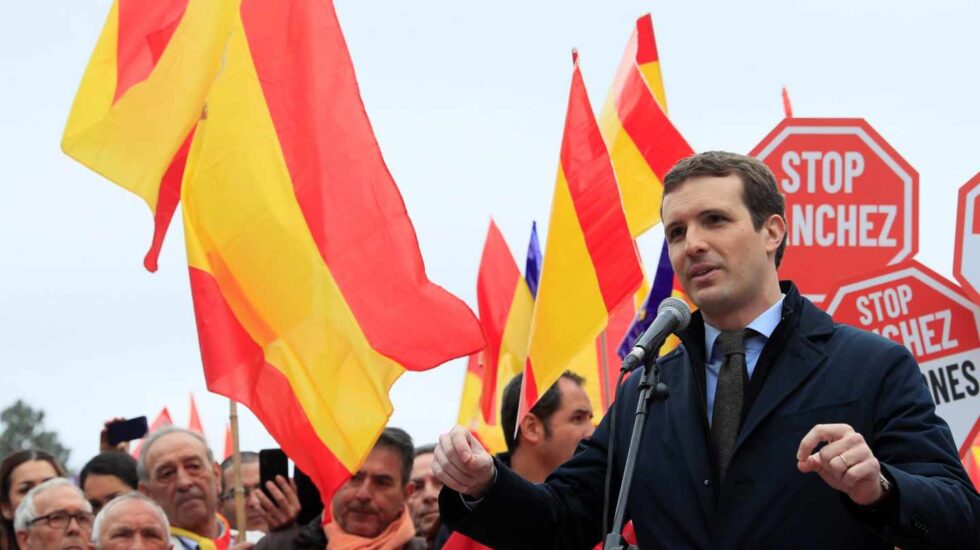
[(467, 101)]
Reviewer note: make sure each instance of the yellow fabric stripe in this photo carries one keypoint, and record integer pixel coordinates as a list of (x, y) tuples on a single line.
[(244, 226), (133, 141), (639, 187), (655, 81), (513, 342), (470, 416), (569, 312)]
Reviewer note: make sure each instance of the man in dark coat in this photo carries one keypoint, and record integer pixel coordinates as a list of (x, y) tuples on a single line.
[(782, 429)]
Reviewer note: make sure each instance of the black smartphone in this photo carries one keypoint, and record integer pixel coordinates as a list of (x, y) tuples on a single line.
[(272, 463), (311, 505), (126, 430)]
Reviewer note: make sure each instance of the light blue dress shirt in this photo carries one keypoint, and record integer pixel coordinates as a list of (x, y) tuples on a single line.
[(763, 325)]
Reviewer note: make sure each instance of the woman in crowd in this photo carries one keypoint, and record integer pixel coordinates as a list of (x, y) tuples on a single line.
[(19, 473)]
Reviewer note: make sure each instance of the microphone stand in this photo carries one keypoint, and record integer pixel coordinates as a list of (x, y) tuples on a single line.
[(650, 388)]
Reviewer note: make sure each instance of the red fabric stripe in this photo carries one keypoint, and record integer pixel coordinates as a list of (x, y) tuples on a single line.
[(234, 366), (145, 29), (495, 286), (648, 126), (646, 43), (473, 364), (459, 541), (529, 391), (595, 194), (169, 196), (976, 215), (355, 213)]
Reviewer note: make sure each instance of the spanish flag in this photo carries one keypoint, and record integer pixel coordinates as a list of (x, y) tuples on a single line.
[(590, 263), (643, 143), (491, 435), (505, 304), (309, 289)]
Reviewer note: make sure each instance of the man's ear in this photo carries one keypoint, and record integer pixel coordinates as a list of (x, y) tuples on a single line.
[(409, 489), (531, 428), (142, 488), (218, 476), (22, 539), (774, 229), (7, 511)]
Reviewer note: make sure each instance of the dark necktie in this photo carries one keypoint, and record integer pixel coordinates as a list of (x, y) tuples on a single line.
[(729, 397)]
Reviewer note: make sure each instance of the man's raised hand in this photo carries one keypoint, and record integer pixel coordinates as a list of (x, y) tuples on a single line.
[(462, 464)]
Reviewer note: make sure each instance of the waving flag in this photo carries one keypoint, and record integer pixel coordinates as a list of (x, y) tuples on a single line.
[(643, 144), (590, 263), (194, 419), (491, 435), (505, 304), (309, 289)]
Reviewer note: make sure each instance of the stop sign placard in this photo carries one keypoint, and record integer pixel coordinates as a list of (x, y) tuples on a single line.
[(933, 318), (851, 200), (966, 257)]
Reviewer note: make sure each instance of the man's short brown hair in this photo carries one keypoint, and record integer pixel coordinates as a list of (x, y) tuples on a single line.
[(759, 190)]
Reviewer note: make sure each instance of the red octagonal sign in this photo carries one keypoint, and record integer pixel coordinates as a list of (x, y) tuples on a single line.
[(966, 258), (914, 306), (851, 200)]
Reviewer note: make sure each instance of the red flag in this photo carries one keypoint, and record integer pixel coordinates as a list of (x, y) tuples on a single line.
[(194, 422)]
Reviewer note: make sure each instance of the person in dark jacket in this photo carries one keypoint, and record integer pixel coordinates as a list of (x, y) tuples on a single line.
[(782, 428)]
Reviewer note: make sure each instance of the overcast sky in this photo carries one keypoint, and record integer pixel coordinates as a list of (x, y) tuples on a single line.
[(467, 100)]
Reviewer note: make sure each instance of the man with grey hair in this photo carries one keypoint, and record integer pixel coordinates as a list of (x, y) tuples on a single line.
[(177, 470), (54, 516), (131, 521)]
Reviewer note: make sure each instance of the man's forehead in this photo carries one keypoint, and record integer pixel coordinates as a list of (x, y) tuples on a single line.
[(61, 496), (176, 446), (703, 193), (422, 465), (130, 508)]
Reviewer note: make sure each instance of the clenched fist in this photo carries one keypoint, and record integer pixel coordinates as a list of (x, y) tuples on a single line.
[(462, 464)]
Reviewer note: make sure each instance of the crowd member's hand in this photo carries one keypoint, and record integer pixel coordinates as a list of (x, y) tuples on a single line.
[(846, 463), (284, 507), (462, 464), (104, 437)]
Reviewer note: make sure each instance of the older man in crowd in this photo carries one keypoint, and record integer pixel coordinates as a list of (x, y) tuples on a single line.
[(131, 521), (369, 511), (54, 516), (177, 470), (424, 502)]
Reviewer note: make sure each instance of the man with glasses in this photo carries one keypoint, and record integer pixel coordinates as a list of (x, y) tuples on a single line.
[(262, 514), (54, 516)]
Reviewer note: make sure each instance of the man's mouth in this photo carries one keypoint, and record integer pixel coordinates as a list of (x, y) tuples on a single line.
[(701, 271)]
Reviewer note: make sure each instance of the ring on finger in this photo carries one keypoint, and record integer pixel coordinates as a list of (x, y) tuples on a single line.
[(846, 465)]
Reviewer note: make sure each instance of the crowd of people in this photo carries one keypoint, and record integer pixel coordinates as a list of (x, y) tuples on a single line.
[(783, 429), (176, 496)]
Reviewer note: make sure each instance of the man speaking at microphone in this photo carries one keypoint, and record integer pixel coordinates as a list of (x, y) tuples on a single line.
[(782, 429)]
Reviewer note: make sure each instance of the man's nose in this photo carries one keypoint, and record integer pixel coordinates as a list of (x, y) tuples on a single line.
[(184, 479), (694, 242), (588, 431)]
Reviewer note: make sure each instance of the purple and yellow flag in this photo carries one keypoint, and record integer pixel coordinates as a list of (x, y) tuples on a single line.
[(287, 205)]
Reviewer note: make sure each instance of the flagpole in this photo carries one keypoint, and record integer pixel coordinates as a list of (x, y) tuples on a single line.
[(604, 371), (236, 462)]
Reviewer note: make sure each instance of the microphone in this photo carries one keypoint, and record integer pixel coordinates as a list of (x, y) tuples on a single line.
[(672, 315)]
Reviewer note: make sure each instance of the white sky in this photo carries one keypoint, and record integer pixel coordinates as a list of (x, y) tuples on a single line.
[(468, 106)]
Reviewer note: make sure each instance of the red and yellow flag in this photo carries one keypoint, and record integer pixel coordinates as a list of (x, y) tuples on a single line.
[(194, 419), (491, 436), (590, 264), (505, 304), (309, 289), (142, 94), (643, 143)]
